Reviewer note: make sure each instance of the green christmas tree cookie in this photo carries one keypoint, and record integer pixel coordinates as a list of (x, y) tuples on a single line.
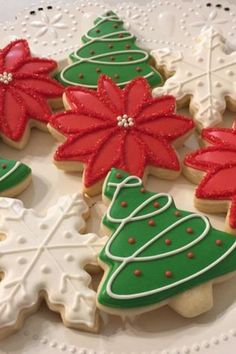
[(109, 49), (158, 254), (14, 177)]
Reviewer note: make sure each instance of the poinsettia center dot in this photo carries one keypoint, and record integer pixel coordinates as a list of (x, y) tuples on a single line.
[(6, 78), (125, 121)]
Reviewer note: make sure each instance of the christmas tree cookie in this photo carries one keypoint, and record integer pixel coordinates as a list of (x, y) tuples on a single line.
[(44, 257), (124, 128), (213, 168), (14, 177), (158, 254), (25, 90), (203, 78), (109, 49)]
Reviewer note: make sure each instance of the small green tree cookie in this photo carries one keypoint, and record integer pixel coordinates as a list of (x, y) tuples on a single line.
[(109, 49), (157, 252)]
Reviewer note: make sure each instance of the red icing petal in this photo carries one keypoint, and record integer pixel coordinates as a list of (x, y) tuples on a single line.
[(133, 155), (14, 54), (232, 214), (158, 106), (88, 102), (13, 116), (136, 94), (82, 144), (222, 136), (36, 66), (219, 183), (160, 153), (41, 84), (35, 106), (111, 94), (210, 157), (104, 158), (71, 122), (169, 127)]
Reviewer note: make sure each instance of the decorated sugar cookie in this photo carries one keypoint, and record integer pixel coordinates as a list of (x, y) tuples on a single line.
[(44, 257), (25, 88), (108, 49), (213, 168), (204, 77), (14, 177), (158, 254), (118, 128)]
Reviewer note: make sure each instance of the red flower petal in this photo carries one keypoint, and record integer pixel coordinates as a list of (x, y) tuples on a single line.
[(136, 94), (111, 94), (232, 214), (210, 157), (169, 127), (38, 83), (157, 106), (220, 183), (13, 116), (88, 102), (78, 145), (14, 54), (32, 66), (160, 153), (133, 155), (71, 122), (220, 136), (107, 156), (35, 106)]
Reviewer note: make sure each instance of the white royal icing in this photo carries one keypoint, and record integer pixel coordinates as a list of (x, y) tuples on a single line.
[(107, 38), (17, 164), (47, 254), (206, 74), (135, 256)]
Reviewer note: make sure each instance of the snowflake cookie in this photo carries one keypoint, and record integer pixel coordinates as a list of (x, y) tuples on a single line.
[(25, 88), (124, 128), (205, 77), (213, 168), (44, 257), (158, 254)]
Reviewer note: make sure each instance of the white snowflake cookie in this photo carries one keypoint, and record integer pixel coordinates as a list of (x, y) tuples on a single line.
[(44, 257), (205, 77)]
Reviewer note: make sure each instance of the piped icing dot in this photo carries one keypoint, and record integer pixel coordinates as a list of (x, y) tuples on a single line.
[(218, 242), (142, 190), (69, 257), (156, 205), (21, 260), (137, 272), (125, 121), (131, 240), (151, 223), (168, 274), (68, 234), (127, 46), (123, 204), (98, 70), (6, 77), (177, 213), (21, 240), (138, 69), (130, 58), (81, 76), (190, 255), (3, 166), (45, 269), (167, 241), (118, 175), (43, 226), (189, 230)]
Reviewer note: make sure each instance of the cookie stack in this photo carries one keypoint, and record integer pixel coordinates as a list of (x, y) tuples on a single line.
[(113, 111)]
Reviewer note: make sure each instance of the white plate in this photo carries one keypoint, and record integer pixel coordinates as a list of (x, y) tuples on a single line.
[(161, 331)]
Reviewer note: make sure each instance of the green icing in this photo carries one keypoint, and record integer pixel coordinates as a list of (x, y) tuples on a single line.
[(109, 49), (120, 287), (12, 173)]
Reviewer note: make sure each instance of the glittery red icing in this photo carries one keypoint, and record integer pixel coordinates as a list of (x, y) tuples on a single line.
[(218, 161), (25, 96), (95, 138)]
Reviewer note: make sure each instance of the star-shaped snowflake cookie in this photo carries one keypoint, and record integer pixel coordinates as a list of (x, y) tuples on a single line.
[(44, 257), (205, 77)]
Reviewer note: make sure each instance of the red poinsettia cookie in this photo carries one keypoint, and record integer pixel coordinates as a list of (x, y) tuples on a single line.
[(123, 128), (213, 168), (25, 87)]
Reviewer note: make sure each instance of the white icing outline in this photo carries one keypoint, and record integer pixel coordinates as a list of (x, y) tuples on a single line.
[(17, 164), (133, 257), (106, 38)]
